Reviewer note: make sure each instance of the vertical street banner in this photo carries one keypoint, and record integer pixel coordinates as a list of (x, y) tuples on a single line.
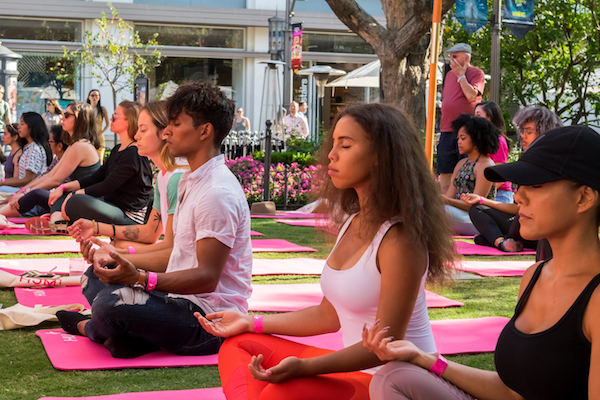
[(296, 47), (518, 16), (472, 14)]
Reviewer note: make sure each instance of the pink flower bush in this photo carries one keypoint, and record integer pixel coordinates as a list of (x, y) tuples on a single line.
[(301, 180)]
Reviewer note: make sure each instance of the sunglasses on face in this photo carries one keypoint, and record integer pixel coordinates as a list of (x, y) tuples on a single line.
[(116, 117), (94, 95), (68, 114)]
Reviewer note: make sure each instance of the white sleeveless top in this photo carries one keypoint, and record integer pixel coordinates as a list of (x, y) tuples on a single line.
[(354, 293)]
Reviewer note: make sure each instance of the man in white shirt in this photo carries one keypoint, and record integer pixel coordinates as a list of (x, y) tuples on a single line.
[(295, 124), (135, 311)]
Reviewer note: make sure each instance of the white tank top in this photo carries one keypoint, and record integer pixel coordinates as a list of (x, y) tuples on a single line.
[(354, 293)]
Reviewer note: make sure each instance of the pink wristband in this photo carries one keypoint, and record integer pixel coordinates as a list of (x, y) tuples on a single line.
[(62, 186), (131, 249), (481, 199), (439, 366), (152, 281), (258, 323)]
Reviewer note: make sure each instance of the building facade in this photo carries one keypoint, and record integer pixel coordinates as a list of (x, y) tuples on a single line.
[(223, 42)]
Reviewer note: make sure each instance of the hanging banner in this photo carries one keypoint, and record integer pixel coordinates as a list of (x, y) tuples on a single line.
[(518, 16), (472, 14), (296, 47)]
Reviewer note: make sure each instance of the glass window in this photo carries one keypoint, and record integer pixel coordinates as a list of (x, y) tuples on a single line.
[(39, 29), (328, 43), (43, 76), (173, 71), (193, 36)]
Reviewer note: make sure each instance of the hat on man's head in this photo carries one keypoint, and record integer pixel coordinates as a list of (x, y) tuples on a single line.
[(569, 152), (460, 47)]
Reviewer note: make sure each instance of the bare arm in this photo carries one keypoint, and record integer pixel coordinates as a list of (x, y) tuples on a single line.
[(16, 182)]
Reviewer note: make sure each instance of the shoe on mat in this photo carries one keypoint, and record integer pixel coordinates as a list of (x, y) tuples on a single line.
[(43, 226), (68, 320)]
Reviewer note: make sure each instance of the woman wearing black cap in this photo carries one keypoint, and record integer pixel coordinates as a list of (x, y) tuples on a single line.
[(550, 349)]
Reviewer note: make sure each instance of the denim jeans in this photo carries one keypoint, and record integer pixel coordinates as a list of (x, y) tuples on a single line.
[(159, 319), (460, 222), (505, 196)]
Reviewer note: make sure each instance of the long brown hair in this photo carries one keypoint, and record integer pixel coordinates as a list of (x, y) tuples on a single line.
[(401, 183), (157, 110), (85, 124), (57, 109), (131, 109)]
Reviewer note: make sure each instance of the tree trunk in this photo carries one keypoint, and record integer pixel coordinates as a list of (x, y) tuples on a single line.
[(403, 81), (402, 48)]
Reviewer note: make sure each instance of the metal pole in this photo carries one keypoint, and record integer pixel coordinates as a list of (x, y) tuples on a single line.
[(267, 177), (287, 56), (285, 187), (435, 42), (495, 59)]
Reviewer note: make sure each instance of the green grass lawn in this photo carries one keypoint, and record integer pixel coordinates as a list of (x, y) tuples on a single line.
[(26, 372)]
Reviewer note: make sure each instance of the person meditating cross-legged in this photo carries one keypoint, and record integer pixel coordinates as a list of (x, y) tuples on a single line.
[(394, 236), (143, 302), (549, 348)]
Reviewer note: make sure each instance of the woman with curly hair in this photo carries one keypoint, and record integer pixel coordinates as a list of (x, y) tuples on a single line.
[(394, 236), (477, 137)]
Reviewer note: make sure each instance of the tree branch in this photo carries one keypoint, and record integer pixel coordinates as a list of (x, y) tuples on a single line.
[(359, 21)]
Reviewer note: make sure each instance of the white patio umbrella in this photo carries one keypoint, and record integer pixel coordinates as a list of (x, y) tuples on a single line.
[(365, 76)]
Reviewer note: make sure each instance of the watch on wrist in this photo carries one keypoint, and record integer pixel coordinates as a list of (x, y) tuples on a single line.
[(142, 280)]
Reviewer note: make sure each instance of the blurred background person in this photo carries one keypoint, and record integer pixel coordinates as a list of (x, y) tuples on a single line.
[(101, 119), (54, 114)]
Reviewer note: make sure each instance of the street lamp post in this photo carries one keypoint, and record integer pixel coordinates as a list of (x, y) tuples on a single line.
[(321, 73)]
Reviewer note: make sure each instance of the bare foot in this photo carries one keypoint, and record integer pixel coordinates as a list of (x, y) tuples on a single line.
[(81, 326), (510, 245)]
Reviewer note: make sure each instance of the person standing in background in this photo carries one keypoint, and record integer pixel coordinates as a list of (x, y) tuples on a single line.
[(101, 119), (54, 114), (463, 87), (295, 124), (4, 111)]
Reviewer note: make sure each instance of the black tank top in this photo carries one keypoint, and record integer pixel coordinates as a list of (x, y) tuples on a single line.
[(553, 364)]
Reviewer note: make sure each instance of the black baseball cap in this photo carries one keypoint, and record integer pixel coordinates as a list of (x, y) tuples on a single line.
[(569, 152)]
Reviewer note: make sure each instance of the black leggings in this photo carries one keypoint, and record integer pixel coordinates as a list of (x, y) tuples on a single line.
[(89, 207), (492, 224), (37, 197)]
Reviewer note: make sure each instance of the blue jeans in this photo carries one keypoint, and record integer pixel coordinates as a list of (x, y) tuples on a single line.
[(505, 196), (460, 222), (159, 319)]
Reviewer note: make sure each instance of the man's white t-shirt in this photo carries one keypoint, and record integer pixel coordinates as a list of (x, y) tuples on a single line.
[(212, 204)]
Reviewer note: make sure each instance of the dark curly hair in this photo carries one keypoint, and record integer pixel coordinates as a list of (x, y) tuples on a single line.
[(401, 183), (483, 133), (204, 102)]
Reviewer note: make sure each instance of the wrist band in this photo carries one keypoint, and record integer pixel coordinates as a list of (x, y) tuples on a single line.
[(258, 323), (131, 249), (152, 281), (3, 180), (23, 189), (481, 199), (439, 366), (63, 187), (460, 77), (115, 233)]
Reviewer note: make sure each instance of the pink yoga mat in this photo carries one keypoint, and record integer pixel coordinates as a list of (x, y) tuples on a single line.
[(290, 215), (20, 265), (314, 222), (469, 249), (452, 336), (51, 296), (254, 233), (191, 394), (69, 352), (494, 268), (292, 297), (277, 246), (39, 246), (290, 266), (17, 220)]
